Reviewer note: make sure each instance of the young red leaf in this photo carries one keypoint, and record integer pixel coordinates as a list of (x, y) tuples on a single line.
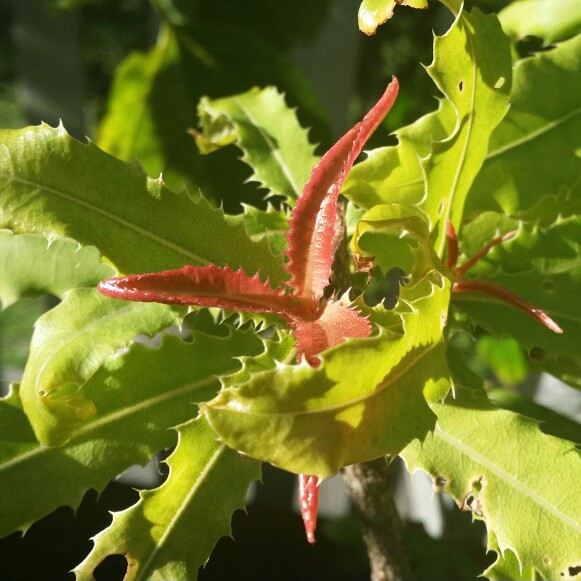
[(337, 323), (207, 286), (502, 294), (309, 502), (312, 224)]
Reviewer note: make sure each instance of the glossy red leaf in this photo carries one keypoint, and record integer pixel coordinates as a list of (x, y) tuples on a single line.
[(207, 286), (337, 323), (312, 224), (309, 503)]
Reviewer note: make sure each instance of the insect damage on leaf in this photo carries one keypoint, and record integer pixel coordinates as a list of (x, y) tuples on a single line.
[(316, 323)]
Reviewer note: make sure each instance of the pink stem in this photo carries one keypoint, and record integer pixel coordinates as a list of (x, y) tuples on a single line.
[(502, 294), (309, 502), (461, 270), (452, 239)]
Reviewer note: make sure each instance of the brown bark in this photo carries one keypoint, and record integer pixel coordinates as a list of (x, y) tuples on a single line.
[(370, 487)]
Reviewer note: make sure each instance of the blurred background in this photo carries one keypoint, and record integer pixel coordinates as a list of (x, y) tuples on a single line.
[(121, 71)]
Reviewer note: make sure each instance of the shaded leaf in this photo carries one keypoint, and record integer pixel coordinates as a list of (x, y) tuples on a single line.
[(311, 421), (137, 395), (550, 421), (149, 112), (273, 143), (396, 236), (496, 464), (166, 535), (69, 344), (541, 265), (56, 186), (271, 224), (31, 265), (514, 177)]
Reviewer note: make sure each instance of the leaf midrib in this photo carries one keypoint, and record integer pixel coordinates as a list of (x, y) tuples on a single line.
[(178, 514), (116, 415), (270, 145), (112, 217), (381, 386), (533, 135), (505, 476), (464, 152)]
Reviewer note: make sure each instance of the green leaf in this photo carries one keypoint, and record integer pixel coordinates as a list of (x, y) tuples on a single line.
[(373, 13), (396, 235), (69, 344), (438, 157), (31, 265), (541, 265), (506, 567), (544, 116), (394, 174), (273, 143), (315, 421), (271, 224), (472, 67), (167, 534), (149, 113), (53, 185), (550, 422), (551, 21), (137, 395), (506, 471)]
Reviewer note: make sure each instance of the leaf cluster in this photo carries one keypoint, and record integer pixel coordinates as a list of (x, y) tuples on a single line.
[(110, 383)]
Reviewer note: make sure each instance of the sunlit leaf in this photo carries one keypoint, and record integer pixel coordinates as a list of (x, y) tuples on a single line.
[(273, 143), (138, 396), (472, 67), (315, 421), (373, 13), (515, 176), (56, 186), (166, 535), (551, 21), (506, 471), (69, 344)]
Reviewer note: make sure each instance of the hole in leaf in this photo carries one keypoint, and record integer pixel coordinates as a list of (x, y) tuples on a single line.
[(460, 86), (111, 568), (499, 83), (467, 504), (548, 287), (384, 288), (441, 207), (574, 570), (441, 482)]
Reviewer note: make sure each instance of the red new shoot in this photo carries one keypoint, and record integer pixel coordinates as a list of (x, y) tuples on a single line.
[(489, 288), (316, 323)]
